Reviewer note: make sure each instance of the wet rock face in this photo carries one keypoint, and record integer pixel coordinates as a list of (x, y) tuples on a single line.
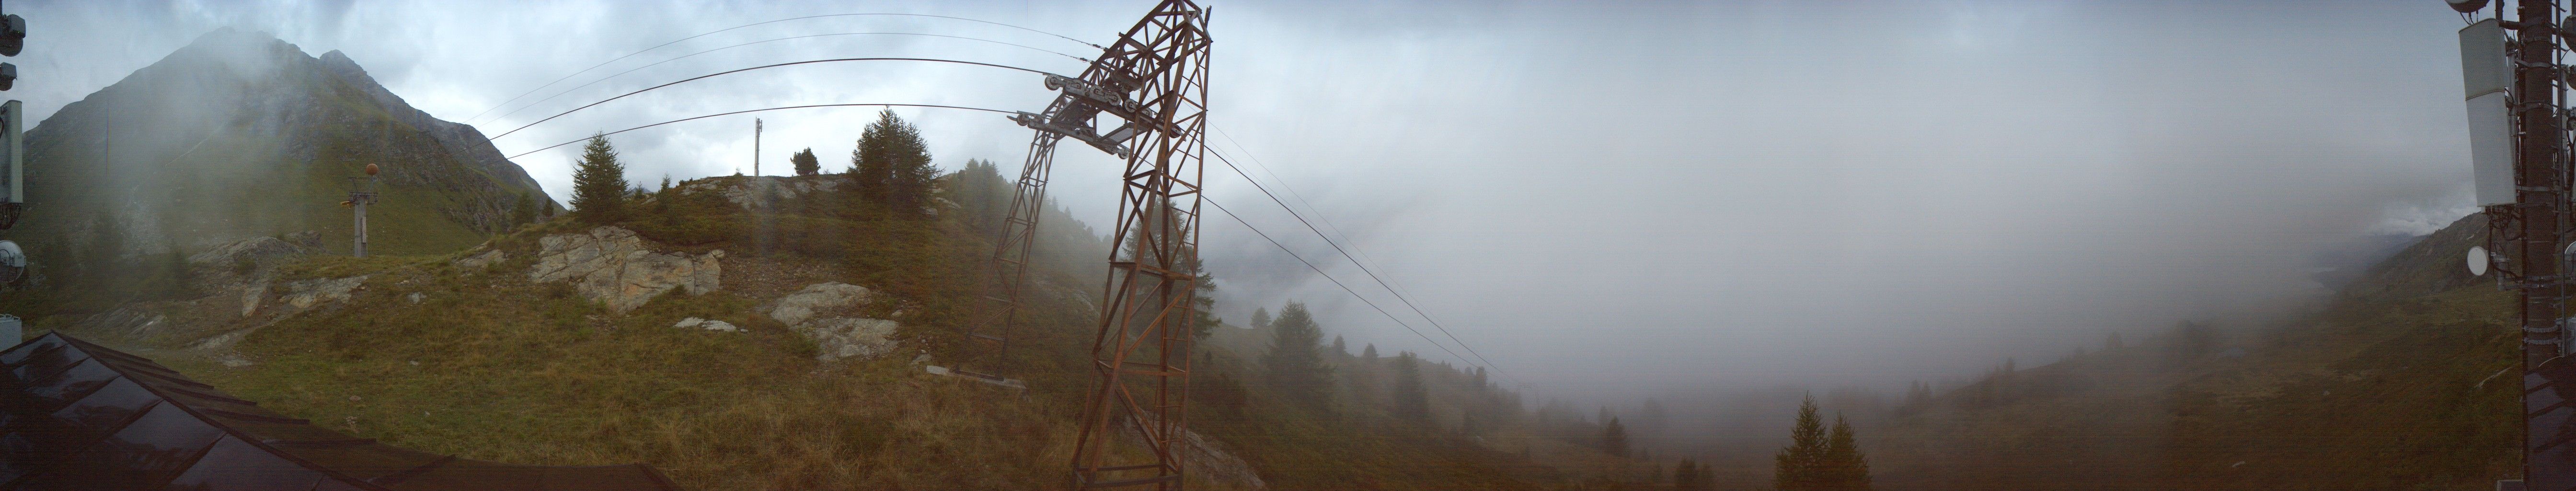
[(612, 266)]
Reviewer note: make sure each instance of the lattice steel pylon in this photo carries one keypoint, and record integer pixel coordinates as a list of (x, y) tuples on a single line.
[(1153, 81)]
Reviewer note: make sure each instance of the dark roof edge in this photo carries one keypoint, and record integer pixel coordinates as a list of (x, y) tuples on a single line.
[(256, 442)]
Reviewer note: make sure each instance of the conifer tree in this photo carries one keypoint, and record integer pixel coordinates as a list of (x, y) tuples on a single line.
[(1412, 402), (1614, 438), (1798, 467), (805, 162), (599, 183), (526, 211), (892, 165), (1686, 476), (1296, 360), (1261, 318), (1369, 352), (1340, 348), (1845, 467)]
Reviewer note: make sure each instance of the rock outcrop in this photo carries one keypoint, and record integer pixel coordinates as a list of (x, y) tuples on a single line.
[(751, 192), (848, 337), (478, 261), (708, 324), (307, 293), (612, 266), (255, 251), (796, 308), (1204, 457), (808, 312)]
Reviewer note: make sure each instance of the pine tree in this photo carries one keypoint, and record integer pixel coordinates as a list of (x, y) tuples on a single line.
[(1261, 318), (599, 183), (1369, 352), (1412, 403), (1340, 348), (1798, 467), (892, 165), (1296, 360), (1614, 438), (805, 162), (1845, 467)]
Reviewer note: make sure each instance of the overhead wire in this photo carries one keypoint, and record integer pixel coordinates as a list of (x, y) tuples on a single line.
[(1329, 277), (1328, 225), (708, 33), (1337, 247), (940, 106), (774, 65), (678, 58)]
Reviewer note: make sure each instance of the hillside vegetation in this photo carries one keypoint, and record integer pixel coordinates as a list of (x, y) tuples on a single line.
[(480, 361), (2404, 381)]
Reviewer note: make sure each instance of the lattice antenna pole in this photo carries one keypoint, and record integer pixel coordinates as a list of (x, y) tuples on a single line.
[(2540, 206), (1141, 353)]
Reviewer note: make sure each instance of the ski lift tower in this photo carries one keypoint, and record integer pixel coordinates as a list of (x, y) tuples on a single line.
[(362, 191)]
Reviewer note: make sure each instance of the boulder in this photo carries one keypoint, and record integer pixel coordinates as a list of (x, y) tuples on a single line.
[(307, 293), (708, 324), (847, 337), (817, 298), (612, 266), (478, 261)]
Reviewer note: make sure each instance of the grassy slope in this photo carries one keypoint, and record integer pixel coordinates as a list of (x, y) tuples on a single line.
[(2381, 390), (490, 366)]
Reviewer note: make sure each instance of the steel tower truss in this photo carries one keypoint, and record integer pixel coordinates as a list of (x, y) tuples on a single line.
[(1153, 84)]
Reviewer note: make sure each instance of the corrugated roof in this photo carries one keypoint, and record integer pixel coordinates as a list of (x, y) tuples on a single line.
[(81, 416)]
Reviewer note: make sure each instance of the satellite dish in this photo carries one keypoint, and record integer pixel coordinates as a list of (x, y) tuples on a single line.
[(13, 262), (2467, 6), (2477, 261)]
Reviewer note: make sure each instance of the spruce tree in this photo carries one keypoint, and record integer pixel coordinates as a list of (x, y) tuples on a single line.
[(892, 165), (1797, 467), (1412, 402), (1261, 318), (1295, 359), (1340, 348), (1686, 476), (805, 162), (526, 211), (1369, 352), (599, 183), (1845, 467), (1614, 438)]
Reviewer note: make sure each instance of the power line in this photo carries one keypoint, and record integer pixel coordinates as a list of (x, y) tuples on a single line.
[(1329, 277), (1301, 199), (677, 58), (704, 34), (622, 96), (551, 147), (1337, 247)]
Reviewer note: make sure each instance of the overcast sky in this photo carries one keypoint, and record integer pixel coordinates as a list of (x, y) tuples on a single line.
[(1602, 198)]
